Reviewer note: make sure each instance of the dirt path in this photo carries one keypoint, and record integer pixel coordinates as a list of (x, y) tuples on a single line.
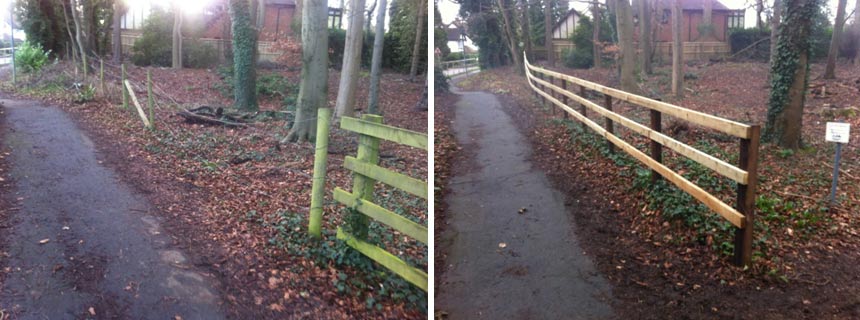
[(81, 243), (503, 264)]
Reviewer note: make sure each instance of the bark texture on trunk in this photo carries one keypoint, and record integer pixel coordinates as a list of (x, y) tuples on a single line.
[(376, 62), (830, 68), (511, 37), (116, 39), (624, 24), (547, 20), (774, 27), (313, 88), (526, 26), (244, 56), (419, 33), (177, 37), (645, 36), (677, 51), (345, 103), (595, 36)]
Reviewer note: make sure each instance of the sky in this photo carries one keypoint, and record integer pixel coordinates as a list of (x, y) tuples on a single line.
[(449, 9)]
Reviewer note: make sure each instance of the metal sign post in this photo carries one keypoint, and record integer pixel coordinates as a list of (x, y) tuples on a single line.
[(837, 132)]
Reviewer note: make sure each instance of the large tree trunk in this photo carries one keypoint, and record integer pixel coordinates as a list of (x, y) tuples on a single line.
[(526, 26), (645, 35), (345, 105), (857, 32), (69, 27), (313, 88), (789, 74), (511, 37), (116, 41), (707, 25), (177, 37), (261, 16), (774, 27), (677, 51), (419, 34), (547, 22), (830, 68), (759, 10), (244, 56), (595, 36), (624, 24), (376, 63)]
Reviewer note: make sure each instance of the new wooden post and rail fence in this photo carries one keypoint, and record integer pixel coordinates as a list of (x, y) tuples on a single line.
[(462, 66), (745, 173), (366, 172)]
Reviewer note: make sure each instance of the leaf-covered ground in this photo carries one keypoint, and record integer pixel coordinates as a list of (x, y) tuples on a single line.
[(667, 255), (237, 199)]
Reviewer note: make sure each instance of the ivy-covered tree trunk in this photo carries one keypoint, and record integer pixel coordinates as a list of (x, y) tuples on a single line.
[(419, 34), (177, 37), (118, 11), (830, 68), (774, 27), (313, 88), (645, 36), (345, 104), (677, 51), (789, 75), (624, 25), (244, 56)]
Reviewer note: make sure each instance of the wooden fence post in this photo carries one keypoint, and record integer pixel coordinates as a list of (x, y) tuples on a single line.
[(362, 187), (656, 148), (542, 89), (102, 76), (748, 161), (610, 126), (150, 99), (551, 92), (124, 91), (318, 184), (564, 97), (582, 110)]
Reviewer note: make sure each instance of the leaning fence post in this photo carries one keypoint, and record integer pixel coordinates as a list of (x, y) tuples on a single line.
[(124, 90), (150, 99), (748, 161), (656, 148), (582, 110), (318, 184), (610, 126), (362, 187)]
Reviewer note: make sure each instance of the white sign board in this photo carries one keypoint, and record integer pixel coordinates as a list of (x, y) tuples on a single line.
[(838, 132)]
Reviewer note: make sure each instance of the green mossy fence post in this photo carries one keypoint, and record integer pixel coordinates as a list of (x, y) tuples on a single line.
[(150, 99), (124, 90), (318, 187), (362, 187), (102, 76)]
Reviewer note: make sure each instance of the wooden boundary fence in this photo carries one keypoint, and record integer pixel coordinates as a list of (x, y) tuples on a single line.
[(366, 172), (745, 173), (463, 66)]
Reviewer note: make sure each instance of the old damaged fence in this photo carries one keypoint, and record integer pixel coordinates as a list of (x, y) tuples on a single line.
[(366, 172), (545, 83)]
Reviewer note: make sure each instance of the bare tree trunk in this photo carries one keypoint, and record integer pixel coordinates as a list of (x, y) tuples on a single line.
[(370, 16), (677, 51), (261, 16), (830, 68), (645, 35), (78, 37), (759, 9), (624, 24), (707, 26), (118, 11), (790, 72), (774, 27), (547, 21), (419, 33), (345, 105), (526, 26), (510, 35), (313, 88), (177, 37), (857, 33), (376, 63), (595, 37)]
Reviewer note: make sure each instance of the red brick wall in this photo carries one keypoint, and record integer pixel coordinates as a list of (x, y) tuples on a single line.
[(277, 20), (689, 30)]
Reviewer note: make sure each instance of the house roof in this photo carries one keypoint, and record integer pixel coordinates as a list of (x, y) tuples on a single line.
[(567, 15), (454, 32), (694, 5)]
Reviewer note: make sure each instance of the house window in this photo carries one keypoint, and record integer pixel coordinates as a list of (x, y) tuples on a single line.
[(736, 20)]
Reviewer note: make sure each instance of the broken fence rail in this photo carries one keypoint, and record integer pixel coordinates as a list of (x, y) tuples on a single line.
[(745, 173)]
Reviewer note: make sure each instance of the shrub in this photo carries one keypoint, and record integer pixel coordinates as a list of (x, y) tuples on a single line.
[(582, 56), (441, 81), (740, 39), (579, 58), (154, 47), (30, 57), (198, 54)]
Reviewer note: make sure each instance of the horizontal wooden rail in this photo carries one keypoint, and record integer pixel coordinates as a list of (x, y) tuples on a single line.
[(721, 208), (718, 165), (378, 130), (391, 219), (733, 128), (391, 178), (390, 261)]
